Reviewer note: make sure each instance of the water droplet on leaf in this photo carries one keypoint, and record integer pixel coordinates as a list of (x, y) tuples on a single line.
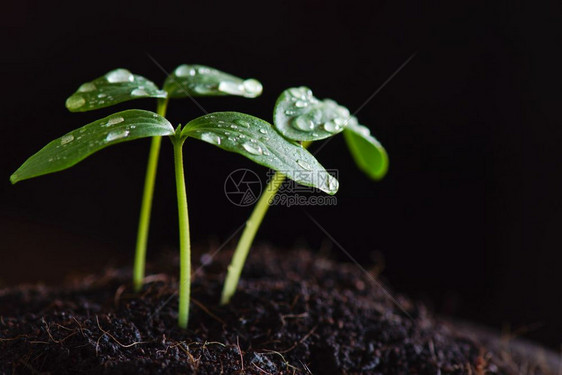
[(332, 183), (75, 102), (114, 120), (87, 87), (340, 122), (119, 76), (139, 92), (301, 104), (331, 127), (231, 88), (185, 71), (211, 138), (243, 123), (118, 134), (297, 92), (252, 87), (66, 139), (252, 148), (303, 123), (304, 165)]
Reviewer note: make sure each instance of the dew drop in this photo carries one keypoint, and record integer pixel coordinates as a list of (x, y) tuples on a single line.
[(332, 183), (252, 87), (119, 76), (330, 126), (231, 88), (303, 123), (211, 138), (297, 92), (87, 87), (289, 112), (203, 70), (75, 102), (301, 104), (114, 120), (185, 71), (139, 92), (304, 165), (341, 122), (102, 95), (263, 131), (66, 139), (343, 112), (202, 89), (243, 123), (316, 115), (252, 148), (112, 136)]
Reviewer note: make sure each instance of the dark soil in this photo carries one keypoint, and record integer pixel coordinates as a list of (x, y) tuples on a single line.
[(294, 314)]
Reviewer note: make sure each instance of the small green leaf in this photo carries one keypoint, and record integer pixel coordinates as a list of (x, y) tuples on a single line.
[(368, 153), (200, 80), (299, 116), (258, 141), (66, 151), (117, 86)]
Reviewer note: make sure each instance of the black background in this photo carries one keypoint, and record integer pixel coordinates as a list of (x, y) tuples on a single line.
[(468, 218)]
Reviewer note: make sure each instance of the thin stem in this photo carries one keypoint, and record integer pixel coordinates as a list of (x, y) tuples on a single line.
[(243, 248), (252, 226), (146, 205), (185, 245)]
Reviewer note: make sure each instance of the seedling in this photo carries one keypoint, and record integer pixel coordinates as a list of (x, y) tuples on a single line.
[(232, 131), (121, 85), (300, 117)]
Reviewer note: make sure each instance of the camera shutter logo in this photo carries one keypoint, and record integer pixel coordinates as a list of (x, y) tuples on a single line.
[(242, 187)]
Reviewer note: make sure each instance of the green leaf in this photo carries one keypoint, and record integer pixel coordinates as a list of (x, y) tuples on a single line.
[(258, 141), (299, 116), (117, 86), (369, 155), (66, 151), (200, 80)]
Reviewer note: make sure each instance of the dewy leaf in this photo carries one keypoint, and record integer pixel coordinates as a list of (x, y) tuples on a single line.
[(258, 141), (64, 152), (200, 80), (299, 116), (368, 153), (119, 85)]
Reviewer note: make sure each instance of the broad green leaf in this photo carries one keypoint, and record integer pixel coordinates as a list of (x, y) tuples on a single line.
[(119, 85), (200, 80), (369, 155), (299, 116), (66, 151), (258, 141)]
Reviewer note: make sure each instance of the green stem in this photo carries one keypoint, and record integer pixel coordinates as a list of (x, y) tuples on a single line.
[(185, 245), (252, 226), (243, 248), (146, 205)]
